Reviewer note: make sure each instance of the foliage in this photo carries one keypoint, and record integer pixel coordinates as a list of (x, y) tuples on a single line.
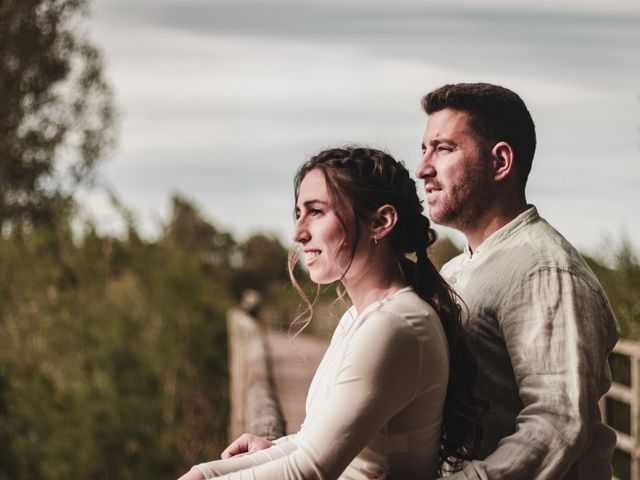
[(621, 282), (56, 119), (442, 251), (264, 262), (112, 351)]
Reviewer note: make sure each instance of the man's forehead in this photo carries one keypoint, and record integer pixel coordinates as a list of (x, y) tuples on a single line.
[(447, 122)]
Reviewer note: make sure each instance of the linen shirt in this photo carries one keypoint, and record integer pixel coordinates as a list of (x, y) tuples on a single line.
[(541, 329), (374, 406)]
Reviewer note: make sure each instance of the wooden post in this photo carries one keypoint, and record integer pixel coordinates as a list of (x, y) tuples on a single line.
[(635, 397)]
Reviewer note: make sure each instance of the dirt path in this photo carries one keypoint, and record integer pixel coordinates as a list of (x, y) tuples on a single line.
[(294, 363)]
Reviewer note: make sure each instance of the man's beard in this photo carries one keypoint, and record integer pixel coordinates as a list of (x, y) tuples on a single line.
[(465, 202)]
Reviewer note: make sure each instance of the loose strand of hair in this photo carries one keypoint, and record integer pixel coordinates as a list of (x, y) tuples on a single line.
[(304, 318)]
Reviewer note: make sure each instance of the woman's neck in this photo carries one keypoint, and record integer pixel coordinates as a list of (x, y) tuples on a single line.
[(377, 279)]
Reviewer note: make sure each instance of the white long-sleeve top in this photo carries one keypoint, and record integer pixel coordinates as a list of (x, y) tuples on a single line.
[(374, 406)]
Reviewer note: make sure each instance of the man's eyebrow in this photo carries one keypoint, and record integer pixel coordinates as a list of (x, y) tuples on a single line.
[(437, 141)]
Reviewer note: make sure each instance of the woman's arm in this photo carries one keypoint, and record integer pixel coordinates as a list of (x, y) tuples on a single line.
[(377, 379), (246, 443), (193, 474)]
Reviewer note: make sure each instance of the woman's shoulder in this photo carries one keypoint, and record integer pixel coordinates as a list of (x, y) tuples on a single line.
[(405, 313), (408, 304)]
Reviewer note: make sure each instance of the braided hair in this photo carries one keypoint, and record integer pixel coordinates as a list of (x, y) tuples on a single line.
[(359, 180)]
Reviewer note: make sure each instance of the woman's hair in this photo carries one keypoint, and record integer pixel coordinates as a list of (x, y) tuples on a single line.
[(360, 180)]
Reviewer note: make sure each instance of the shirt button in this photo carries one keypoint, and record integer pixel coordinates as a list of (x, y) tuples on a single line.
[(453, 280)]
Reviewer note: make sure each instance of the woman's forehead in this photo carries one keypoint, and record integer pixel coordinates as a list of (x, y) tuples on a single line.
[(313, 186)]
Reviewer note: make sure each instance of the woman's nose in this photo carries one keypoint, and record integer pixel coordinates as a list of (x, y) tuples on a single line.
[(300, 233)]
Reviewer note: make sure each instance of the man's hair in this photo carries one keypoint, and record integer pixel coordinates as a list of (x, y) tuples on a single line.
[(496, 115)]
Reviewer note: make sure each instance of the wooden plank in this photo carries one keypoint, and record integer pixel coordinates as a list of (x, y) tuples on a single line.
[(628, 348), (620, 392), (635, 391), (625, 442)]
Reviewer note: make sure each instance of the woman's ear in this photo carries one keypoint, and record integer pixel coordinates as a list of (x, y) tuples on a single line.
[(503, 164), (383, 220)]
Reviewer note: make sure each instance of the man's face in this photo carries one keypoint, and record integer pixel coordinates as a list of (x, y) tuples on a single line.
[(456, 170)]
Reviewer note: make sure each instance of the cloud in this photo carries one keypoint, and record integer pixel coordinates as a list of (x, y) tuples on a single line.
[(222, 100)]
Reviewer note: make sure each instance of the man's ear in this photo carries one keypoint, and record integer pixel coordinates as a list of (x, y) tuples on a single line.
[(502, 156), (382, 221)]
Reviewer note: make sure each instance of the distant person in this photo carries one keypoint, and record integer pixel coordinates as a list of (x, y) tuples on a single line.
[(376, 406), (539, 323)]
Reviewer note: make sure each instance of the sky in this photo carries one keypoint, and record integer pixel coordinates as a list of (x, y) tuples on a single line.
[(221, 100)]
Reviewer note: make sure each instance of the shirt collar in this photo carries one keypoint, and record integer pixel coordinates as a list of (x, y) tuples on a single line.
[(530, 215)]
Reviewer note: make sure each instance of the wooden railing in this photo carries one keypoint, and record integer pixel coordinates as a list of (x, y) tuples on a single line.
[(254, 404), (628, 395)]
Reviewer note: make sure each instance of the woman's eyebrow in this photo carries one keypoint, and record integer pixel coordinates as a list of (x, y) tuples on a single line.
[(313, 201)]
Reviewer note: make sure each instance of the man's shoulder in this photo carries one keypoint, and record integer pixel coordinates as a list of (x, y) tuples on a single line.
[(535, 249), (452, 265), (527, 247), (544, 247)]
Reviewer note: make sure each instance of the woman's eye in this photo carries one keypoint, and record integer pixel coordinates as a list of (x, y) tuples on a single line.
[(315, 211)]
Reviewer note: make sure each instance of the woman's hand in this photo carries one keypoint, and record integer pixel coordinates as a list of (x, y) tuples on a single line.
[(245, 443), (193, 474)]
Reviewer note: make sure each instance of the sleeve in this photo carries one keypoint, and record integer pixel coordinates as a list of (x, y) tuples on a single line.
[(216, 468), (558, 329), (367, 393)]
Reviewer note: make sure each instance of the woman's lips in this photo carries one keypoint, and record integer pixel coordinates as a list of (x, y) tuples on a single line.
[(311, 256)]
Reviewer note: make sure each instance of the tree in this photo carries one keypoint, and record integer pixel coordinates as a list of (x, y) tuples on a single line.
[(265, 262), (189, 231), (56, 114)]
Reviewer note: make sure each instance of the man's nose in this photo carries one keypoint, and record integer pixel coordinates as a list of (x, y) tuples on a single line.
[(425, 167)]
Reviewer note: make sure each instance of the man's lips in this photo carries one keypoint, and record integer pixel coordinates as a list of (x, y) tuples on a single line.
[(430, 188)]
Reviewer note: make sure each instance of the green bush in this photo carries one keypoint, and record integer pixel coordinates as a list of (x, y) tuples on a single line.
[(113, 359)]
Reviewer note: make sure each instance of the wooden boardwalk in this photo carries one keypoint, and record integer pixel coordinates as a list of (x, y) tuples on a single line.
[(294, 363)]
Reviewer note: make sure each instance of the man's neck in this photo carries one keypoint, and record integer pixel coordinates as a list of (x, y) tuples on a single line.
[(492, 221)]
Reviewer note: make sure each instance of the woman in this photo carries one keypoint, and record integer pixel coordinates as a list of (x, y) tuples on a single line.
[(376, 406)]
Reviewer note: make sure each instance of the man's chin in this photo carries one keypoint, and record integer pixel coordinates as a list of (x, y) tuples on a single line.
[(442, 218)]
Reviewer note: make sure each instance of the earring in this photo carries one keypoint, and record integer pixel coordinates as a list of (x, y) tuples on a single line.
[(375, 240)]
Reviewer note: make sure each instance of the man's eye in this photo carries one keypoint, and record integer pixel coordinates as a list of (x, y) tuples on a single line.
[(443, 148)]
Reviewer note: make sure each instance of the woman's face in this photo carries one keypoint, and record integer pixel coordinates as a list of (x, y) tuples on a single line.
[(319, 231)]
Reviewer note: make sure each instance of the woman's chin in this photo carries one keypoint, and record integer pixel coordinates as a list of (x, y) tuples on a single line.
[(322, 279)]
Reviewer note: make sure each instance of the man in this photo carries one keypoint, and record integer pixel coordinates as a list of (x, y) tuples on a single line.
[(539, 324)]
